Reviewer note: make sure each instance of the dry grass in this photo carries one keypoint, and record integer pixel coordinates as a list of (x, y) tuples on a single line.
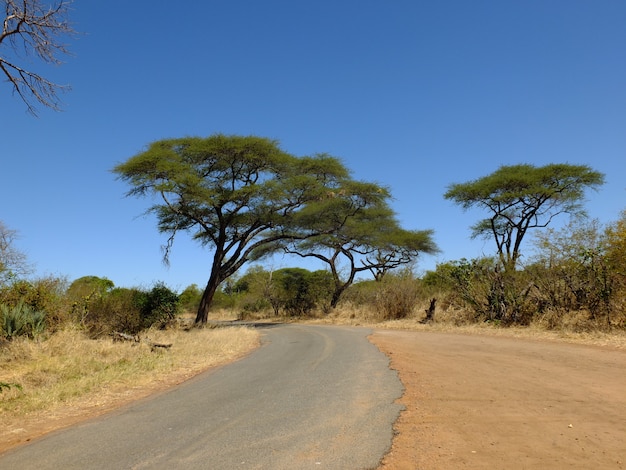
[(70, 375), (456, 321)]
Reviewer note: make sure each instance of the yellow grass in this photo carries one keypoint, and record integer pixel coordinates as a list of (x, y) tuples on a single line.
[(450, 321), (70, 375)]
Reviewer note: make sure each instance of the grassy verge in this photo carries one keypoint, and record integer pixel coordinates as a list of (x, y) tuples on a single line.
[(67, 375), (450, 321)]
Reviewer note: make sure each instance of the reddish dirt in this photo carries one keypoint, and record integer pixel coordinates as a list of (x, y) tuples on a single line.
[(481, 402)]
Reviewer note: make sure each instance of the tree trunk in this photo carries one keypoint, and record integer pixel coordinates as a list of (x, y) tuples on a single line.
[(336, 296), (430, 312), (205, 303)]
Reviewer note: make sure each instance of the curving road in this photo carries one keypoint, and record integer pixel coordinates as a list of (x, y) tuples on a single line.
[(310, 397)]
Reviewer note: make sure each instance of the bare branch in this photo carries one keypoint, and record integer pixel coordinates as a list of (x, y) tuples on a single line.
[(34, 27)]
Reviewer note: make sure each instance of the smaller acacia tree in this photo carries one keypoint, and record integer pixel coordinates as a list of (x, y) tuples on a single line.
[(369, 240), (521, 197), (38, 28)]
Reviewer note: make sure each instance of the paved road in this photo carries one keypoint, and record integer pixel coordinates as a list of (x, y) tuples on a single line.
[(310, 397)]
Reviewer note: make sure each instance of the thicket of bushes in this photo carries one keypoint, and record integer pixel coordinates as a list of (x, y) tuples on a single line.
[(576, 279), (29, 308)]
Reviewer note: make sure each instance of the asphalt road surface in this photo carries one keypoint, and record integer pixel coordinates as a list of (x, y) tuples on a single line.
[(310, 397)]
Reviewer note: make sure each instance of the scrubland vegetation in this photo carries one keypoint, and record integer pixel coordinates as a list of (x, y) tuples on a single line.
[(246, 199), (57, 349)]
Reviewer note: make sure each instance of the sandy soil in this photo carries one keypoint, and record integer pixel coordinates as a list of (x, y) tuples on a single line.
[(480, 402)]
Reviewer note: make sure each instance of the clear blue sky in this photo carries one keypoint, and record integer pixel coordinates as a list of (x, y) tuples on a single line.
[(414, 95)]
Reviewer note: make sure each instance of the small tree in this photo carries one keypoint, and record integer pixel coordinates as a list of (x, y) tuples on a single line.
[(369, 240), (522, 197), (39, 28)]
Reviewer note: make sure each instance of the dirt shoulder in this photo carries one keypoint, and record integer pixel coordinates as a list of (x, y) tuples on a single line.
[(476, 402)]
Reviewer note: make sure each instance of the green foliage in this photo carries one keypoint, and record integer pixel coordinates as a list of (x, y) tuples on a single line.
[(482, 286), (290, 291), (320, 288), (574, 270), (241, 195), (442, 278), (84, 291), (131, 310), (159, 306), (21, 320), (8, 386), (522, 197), (45, 294), (297, 291), (88, 285), (368, 239), (189, 298), (119, 310), (293, 291)]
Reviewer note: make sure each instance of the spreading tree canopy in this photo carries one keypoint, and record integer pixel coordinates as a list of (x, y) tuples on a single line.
[(238, 195), (521, 197), (369, 240)]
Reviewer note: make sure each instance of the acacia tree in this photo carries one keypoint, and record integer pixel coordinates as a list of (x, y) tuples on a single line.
[(398, 247), (237, 195), (522, 197), (370, 240), (34, 27)]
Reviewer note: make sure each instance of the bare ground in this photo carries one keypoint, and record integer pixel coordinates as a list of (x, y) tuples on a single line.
[(478, 402)]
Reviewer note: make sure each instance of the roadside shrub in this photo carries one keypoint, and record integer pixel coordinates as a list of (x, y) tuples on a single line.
[(397, 296), (83, 292), (189, 299), (119, 310), (45, 294), (159, 306), (130, 310), (21, 320), (492, 294), (394, 297)]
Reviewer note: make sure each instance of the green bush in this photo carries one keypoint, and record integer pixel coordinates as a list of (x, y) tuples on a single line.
[(118, 310), (189, 298), (130, 310), (21, 320), (159, 306)]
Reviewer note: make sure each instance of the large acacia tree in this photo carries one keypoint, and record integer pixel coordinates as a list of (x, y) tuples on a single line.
[(238, 195), (39, 28), (522, 197)]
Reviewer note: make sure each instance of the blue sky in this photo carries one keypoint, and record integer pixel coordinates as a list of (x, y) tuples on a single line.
[(411, 94)]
